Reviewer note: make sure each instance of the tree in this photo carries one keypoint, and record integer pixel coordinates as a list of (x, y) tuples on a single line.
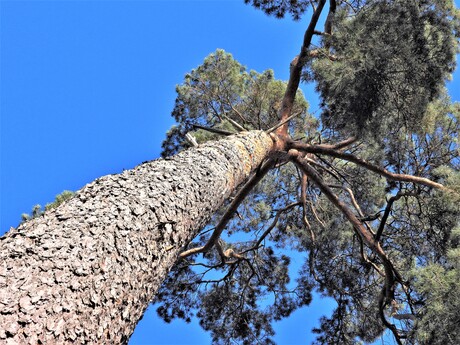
[(370, 194), (86, 270), (37, 210), (380, 70)]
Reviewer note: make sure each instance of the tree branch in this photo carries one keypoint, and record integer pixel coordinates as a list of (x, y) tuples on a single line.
[(330, 17), (352, 198), (322, 149), (387, 211), (244, 191), (272, 225), (341, 144), (391, 274), (214, 130), (296, 71), (275, 127), (365, 234)]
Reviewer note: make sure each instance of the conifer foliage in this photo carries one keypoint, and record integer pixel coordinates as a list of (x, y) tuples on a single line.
[(368, 193)]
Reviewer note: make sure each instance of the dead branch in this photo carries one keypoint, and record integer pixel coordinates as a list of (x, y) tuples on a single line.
[(268, 131), (233, 122), (214, 130)]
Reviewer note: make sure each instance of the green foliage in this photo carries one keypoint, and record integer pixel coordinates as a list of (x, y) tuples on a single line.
[(37, 210), (279, 8), (381, 77), (221, 90), (229, 298), (393, 58), (439, 285)]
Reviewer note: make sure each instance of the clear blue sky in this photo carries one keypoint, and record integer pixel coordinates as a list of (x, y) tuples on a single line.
[(87, 88)]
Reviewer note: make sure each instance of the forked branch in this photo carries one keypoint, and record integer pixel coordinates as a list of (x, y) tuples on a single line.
[(322, 149), (391, 275), (387, 211), (272, 226)]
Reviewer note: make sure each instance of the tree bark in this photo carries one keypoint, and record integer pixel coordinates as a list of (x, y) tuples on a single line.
[(86, 271)]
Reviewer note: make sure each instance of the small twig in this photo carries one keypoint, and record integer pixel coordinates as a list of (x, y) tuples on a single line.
[(406, 316), (234, 123), (330, 165), (191, 139), (352, 198), (316, 52), (274, 128), (387, 211), (371, 218), (213, 130), (315, 214), (270, 228), (330, 172)]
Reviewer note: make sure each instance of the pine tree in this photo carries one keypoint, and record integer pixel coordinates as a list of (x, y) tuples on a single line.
[(372, 196), (369, 193)]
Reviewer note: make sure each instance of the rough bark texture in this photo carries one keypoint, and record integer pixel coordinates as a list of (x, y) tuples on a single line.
[(86, 271)]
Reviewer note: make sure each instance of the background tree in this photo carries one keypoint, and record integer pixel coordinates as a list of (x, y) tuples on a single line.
[(37, 210)]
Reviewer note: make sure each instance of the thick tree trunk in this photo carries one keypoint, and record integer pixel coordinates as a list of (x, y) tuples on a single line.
[(86, 271)]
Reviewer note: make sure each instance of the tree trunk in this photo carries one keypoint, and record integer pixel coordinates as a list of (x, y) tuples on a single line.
[(86, 271)]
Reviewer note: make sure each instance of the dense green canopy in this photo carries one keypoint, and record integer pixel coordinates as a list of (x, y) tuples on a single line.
[(380, 74)]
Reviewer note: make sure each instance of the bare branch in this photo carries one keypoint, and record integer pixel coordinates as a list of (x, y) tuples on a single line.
[(268, 131), (234, 123), (352, 198), (326, 169), (272, 225), (213, 130), (405, 317)]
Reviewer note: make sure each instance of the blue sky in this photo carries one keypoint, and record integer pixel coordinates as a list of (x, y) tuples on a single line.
[(87, 88)]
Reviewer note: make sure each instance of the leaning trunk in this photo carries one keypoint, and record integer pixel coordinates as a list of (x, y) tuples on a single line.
[(86, 271)]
